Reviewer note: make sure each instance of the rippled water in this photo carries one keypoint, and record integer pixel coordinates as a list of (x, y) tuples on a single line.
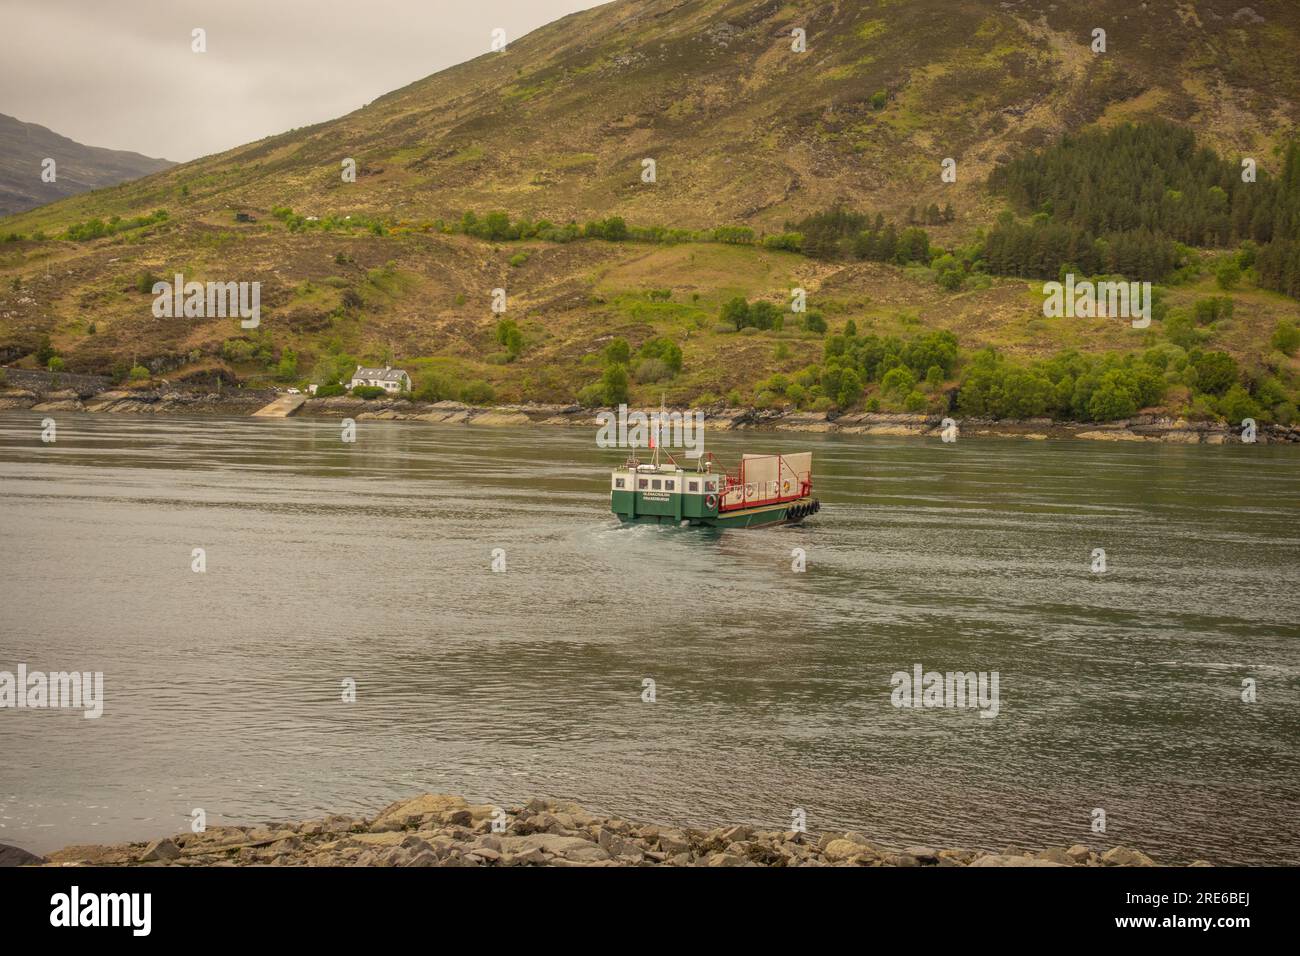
[(371, 561)]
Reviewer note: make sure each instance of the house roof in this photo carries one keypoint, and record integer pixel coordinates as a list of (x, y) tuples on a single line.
[(381, 374)]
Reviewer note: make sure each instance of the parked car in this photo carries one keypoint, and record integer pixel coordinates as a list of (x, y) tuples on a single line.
[(295, 391)]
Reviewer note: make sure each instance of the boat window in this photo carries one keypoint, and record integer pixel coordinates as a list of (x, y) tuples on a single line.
[(618, 482), (694, 486), (669, 484), (711, 485), (655, 484), (643, 483)]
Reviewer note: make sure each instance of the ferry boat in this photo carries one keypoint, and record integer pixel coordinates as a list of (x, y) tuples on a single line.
[(767, 489)]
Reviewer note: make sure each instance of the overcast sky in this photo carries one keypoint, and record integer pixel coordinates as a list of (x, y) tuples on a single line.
[(120, 73)]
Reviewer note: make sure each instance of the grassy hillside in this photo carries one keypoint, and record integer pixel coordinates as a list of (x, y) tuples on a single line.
[(743, 131)]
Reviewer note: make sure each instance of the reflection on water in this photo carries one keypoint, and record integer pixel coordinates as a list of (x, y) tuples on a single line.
[(328, 561)]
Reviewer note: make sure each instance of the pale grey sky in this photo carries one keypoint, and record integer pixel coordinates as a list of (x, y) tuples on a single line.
[(120, 73)]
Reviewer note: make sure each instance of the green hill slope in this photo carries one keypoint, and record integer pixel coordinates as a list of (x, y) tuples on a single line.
[(743, 131)]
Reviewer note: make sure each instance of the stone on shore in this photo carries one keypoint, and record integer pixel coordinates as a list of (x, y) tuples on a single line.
[(429, 809), (166, 399), (160, 850), (500, 419), (438, 830), (1124, 856), (1056, 855), (837, 850)]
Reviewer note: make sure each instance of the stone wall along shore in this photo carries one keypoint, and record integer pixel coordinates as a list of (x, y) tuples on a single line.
[(440, 830)]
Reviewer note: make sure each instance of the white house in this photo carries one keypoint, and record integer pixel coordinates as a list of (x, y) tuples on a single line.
[(389, 379)]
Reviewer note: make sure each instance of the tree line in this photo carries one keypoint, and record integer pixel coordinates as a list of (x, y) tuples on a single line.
[(1121, 201), (839, 233)]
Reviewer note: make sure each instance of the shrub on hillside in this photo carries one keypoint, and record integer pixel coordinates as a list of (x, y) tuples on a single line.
[(652, 370), (898, 381), (44, 351), (849, 392), (98, 228), (435, 388), (814, 322), (735, 312), (286, 370), (334, 366), (1228, 273), (1180, 328), (611, 389), (1112, 399), (614, 384), (665, 350), (613, 229), (509, 336), (477, 392), (618, 352), (369, 392), (237, 350), (1286, 337), (777, 382), (1211, 310), (1215, 371), (1096, 388), (741, 315), (736, 235), (1237, 404), (789, 241), (948, 272)]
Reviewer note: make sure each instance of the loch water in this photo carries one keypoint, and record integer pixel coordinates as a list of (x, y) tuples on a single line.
[(329, 562)]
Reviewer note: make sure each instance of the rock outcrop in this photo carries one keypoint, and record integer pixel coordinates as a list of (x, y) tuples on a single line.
[(1143, 428), (441, 830)]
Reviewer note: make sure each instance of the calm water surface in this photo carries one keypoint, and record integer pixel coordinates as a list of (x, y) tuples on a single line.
[(328, 561)]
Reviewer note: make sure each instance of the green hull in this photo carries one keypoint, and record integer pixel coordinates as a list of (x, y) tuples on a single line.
[(742, 518), (671, 495)]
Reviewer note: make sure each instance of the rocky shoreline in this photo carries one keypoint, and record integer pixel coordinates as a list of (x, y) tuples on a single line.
[(241, 402), (441, 830)]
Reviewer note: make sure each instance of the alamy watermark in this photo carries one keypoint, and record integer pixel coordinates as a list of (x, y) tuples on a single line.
[(37, 690), (195, 300), (652, 430), (923, 688), (75, 908), (1086, 300)]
